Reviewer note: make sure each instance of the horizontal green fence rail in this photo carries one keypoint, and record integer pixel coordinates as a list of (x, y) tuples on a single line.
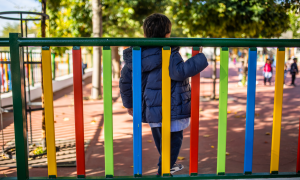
[(208, 42), (4, 41)]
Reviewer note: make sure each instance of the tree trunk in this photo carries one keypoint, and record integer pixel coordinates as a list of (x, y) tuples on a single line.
[(97, 32), (43, 29), (214, 75), (115, 61)]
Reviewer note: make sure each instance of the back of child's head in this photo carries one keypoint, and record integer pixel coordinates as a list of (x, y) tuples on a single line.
[(157, 26)]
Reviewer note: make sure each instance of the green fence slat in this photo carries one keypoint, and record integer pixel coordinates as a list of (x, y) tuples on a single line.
[(19, 106), (108, 121), (222, 126)]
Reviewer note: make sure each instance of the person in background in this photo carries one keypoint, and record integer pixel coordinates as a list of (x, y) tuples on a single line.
[(268, 72), (84, 66), (294, 70)]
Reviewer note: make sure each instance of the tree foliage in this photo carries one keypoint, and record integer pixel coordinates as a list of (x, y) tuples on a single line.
[(230, 18), (121, 18), (15, 28), (295, 23), (197, 18)]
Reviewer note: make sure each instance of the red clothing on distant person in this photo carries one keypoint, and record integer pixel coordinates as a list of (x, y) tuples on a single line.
[(268, 68)]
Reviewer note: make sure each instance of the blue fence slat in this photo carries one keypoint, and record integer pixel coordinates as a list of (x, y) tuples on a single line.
[(250, 111), (137, 110)]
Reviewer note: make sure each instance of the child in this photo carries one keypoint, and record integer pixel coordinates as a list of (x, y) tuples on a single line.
[(159, 26), (294, 71), (268, 72)]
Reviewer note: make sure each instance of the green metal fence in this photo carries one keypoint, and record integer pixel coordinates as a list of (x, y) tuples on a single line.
[(15, 42)]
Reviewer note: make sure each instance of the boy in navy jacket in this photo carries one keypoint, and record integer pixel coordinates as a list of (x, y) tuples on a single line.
[(159, 26)]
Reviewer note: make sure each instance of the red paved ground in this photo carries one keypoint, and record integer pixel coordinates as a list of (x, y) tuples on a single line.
[(93, 110)]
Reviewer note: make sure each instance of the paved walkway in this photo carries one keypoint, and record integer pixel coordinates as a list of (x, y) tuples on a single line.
[(93, 122)]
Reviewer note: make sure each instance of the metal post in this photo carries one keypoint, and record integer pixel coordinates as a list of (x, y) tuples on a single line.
[(29, 100), (31, 69), (24, 84), (19, 107)]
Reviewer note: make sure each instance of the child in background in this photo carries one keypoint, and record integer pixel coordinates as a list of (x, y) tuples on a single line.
[(294, 71), (159, 26), (268, 72)]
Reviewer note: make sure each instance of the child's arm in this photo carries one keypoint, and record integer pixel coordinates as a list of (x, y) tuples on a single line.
[(125, 85), (180, 70)]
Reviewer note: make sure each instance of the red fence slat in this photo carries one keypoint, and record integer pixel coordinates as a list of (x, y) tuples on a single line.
[(78, 109), (194, 131)]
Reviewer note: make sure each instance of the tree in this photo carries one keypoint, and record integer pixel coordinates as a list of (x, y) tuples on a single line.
[(97, 32), (230, 19), (43, 32), (295, 23), (73, 18)]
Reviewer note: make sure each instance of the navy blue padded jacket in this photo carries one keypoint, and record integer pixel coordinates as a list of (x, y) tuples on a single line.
[(179, 71)]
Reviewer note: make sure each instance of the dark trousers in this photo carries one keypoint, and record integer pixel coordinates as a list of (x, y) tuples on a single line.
[(293, 78), (267, 79), (176, 141)]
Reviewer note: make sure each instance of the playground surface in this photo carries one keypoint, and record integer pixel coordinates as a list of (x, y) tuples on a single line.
[(122, 126)]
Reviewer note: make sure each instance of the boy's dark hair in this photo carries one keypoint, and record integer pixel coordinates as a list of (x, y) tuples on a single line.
[(295, 59), (157, 26)]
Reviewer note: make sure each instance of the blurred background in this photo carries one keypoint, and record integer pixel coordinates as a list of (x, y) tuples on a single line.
[(122, 19)]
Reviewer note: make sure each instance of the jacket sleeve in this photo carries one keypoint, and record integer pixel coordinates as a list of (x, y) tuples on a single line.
[(125, 85), (180, 70)]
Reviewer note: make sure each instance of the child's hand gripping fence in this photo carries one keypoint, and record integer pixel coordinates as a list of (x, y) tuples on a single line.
[(19, 106)]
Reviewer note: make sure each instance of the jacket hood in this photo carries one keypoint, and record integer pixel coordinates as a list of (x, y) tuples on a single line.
[(149, 61)]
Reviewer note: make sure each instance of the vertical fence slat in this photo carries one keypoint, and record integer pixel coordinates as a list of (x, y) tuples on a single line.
[(250, 113), (6, 73), (49, 118), (78, 109), (166, 112), (277, 112), (2, 75), (19, 107), (68, 62), (31, 69), (298, 152), (222, 125), (137, 110), (194, 134), (9, 73), (108, 121)]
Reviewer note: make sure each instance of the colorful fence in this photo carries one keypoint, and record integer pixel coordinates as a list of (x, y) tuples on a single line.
[(61, 66), (19, 107)]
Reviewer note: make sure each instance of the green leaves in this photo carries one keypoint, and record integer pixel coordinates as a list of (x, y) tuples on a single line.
[(230, 18)]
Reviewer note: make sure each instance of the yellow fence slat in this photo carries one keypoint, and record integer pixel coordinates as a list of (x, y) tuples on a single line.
[(49, 118), (166, 111), (277, 112)]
